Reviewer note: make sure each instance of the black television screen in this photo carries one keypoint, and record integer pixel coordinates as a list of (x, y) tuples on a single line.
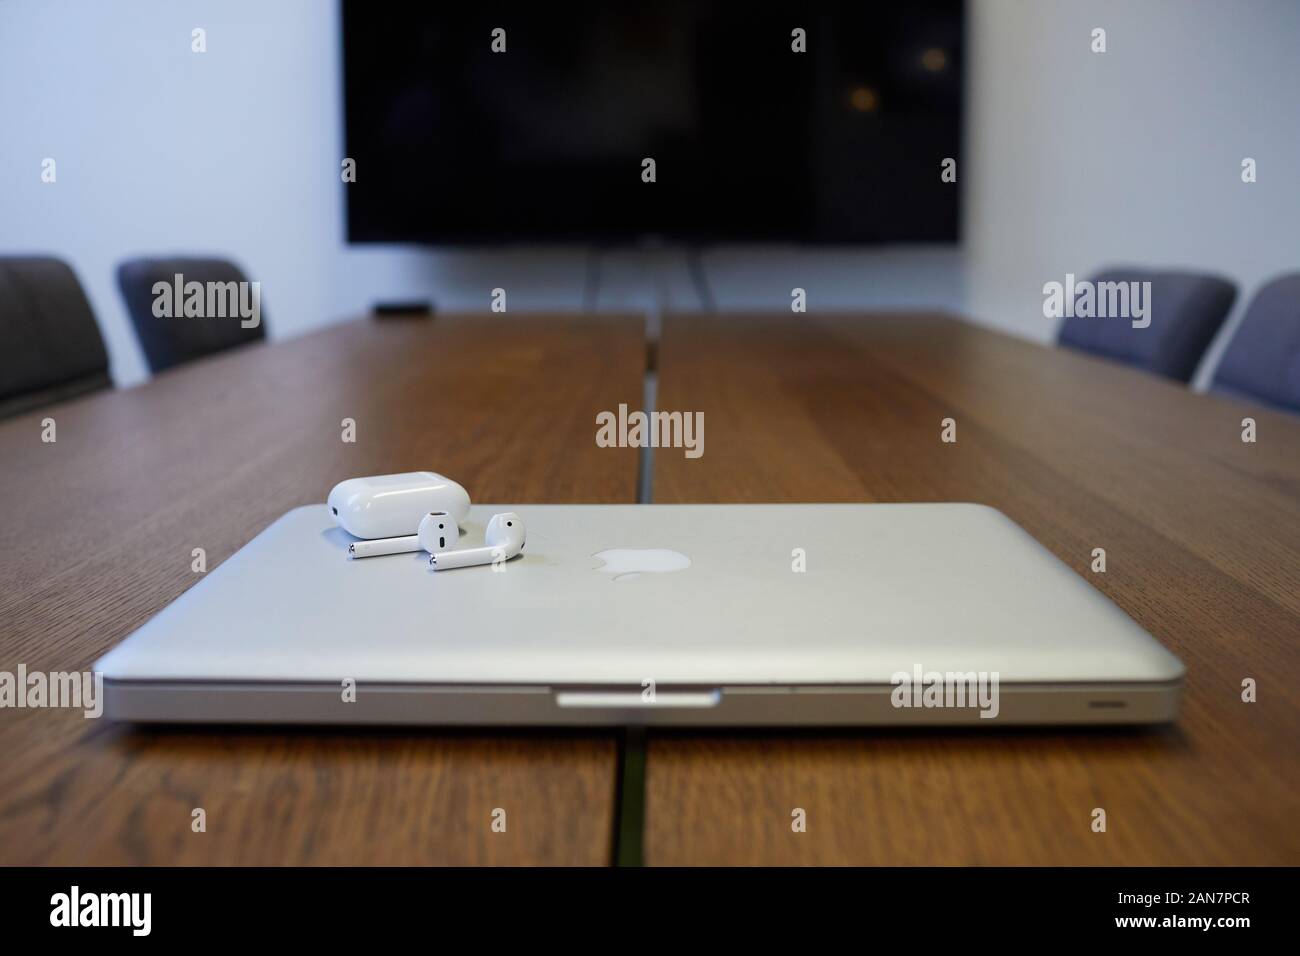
[(457, 140)]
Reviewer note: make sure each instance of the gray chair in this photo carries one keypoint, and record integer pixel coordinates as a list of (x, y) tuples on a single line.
[(1262, 361), (1187, 310), (174, 339), (52, 346)]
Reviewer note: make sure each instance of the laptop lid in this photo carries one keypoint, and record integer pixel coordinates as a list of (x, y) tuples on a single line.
[(618, 595)]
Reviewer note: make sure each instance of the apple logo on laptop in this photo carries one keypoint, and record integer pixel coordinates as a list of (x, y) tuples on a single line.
[(630, 562)]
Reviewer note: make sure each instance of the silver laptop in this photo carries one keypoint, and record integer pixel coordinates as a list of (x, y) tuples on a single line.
[(693, 615)]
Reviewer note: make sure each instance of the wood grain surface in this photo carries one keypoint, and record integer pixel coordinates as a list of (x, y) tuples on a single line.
[(97, 534), (1202, 536)]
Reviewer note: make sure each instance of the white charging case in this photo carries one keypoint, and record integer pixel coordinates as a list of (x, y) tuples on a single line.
[(387, 506)]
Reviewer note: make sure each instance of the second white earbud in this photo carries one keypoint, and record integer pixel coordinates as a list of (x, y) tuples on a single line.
[(504, 540)]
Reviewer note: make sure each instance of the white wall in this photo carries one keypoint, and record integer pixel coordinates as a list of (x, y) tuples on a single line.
[(1073, 159), (160, 150), (1078, 159)]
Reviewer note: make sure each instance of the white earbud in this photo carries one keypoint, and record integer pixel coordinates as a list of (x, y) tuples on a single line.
[(437, 532), (505, 539)]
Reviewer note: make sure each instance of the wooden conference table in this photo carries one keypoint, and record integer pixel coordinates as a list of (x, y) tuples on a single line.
[(1201, 531)]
